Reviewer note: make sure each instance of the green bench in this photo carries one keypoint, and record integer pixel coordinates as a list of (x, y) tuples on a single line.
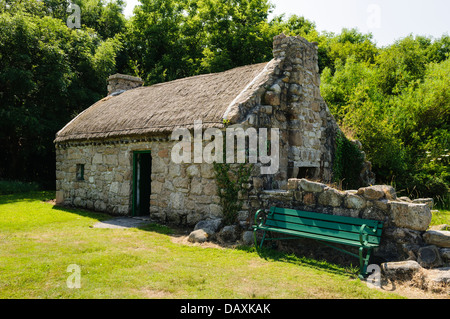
[(355, 232)]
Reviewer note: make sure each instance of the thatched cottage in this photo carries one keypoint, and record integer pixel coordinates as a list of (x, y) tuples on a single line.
[(115, 156)]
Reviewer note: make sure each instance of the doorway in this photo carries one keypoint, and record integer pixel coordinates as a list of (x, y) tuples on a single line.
[(142, 171)]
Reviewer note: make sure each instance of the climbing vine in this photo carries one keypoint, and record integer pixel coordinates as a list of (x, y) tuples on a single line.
[(231, 180), (348, 162)]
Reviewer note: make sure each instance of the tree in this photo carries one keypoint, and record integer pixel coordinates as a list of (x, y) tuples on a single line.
[(48, 73)]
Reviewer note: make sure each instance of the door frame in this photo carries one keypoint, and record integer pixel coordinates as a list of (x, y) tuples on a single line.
[(133, 195)]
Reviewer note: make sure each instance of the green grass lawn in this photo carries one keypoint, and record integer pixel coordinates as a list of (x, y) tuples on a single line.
[(441, 216), (38, 242)]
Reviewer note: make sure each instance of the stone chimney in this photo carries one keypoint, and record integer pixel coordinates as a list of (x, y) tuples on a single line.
[(118, 83), (297, 53)]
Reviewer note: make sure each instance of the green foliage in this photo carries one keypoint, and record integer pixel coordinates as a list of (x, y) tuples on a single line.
[(348, 163), (398, 106), (48, 73), (231, 182), (14, 187)]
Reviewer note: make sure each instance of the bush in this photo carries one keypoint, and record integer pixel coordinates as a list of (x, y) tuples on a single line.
[(13, 187), (348, 163)]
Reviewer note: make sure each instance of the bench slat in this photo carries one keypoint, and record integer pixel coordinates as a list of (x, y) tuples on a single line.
[(317, 230), (315, 236), (291, 222), (325, 217)]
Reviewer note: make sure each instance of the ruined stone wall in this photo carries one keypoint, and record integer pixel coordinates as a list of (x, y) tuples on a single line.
[(290, 100), (404, 221), (123, 82)]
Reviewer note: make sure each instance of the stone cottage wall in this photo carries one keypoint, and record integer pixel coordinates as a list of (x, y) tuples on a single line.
[(181, 193)]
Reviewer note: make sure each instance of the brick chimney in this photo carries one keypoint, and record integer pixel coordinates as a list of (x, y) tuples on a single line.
[(118, 83)]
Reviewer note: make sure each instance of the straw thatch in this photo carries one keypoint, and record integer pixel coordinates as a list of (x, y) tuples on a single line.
[(162, 107)]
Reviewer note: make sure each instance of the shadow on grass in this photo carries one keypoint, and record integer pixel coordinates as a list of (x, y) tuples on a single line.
[(26, 197), (117, 222), (82, 212), (270, 254)]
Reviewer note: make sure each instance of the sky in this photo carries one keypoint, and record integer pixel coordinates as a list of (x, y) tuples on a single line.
[(387, 20)]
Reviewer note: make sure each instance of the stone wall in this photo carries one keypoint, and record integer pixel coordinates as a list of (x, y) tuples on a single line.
[(122, 82), (290, 100), (405, 221), (181, 193)]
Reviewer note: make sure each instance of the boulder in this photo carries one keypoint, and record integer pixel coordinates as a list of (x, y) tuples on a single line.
[(228, 233), (377, 192), (403, 270), (409, 215), (439, 238), (439, 276), (331, 197), (313, 187), (429, 257), (428, 201), (210, 225), (247, 238), (354, 202), (198, 236), (445, 254)]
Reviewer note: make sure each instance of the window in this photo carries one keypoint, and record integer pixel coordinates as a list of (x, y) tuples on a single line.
[(80, 172)]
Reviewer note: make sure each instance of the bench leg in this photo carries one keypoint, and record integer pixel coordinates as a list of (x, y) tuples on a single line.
[(256, 241), (364, 261)]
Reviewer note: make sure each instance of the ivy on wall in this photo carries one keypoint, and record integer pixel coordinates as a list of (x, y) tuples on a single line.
[(348, 162), (231, 180)]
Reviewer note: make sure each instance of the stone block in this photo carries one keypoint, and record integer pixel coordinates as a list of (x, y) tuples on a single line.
[(228, 233), (272, 98), (209, 225), (292, 184), (428, 201), (313, 187), (198, 236), (176, 201), (196, 186), (429, 257), (440, 238), (378, 192), (193, 171), (215, 211), (400, 269), (330, 197), (354, 202), (409, 215), (309, 199)]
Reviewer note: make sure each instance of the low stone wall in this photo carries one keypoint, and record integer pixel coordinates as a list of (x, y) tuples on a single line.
[(405, 221)]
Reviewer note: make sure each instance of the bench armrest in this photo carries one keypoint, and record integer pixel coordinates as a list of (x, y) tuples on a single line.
[(364, 236), (258, 219)]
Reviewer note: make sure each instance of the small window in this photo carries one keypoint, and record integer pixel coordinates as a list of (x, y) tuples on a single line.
[(80, 172)]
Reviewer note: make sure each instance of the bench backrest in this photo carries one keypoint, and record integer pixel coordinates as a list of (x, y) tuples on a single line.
[(342, 227)]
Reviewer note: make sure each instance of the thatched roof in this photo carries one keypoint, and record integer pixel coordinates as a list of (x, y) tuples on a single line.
[(162, 107)]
